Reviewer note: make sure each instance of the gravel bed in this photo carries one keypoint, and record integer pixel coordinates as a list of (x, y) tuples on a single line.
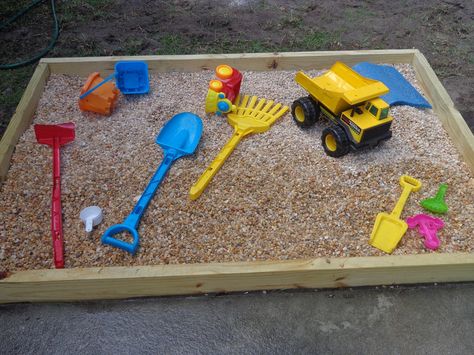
[(278, 196)]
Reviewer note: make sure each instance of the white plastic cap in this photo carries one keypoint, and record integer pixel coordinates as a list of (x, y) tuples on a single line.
[(91, 216)]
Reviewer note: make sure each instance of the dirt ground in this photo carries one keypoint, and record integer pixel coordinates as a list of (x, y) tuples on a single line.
[(442, 30)]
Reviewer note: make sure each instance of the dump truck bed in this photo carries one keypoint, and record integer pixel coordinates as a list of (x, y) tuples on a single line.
[(341, 87)]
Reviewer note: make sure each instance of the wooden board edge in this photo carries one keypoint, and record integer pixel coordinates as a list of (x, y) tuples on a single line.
[(245, 61), (22, 117), (452, 120), (163, 280)]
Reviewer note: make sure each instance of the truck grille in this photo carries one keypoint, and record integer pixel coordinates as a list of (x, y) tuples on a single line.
[(377, 131)]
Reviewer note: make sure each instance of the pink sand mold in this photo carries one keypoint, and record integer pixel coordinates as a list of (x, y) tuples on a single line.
[(427, 227)]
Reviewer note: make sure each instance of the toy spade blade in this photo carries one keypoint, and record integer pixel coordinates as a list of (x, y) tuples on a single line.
[(49, 133)]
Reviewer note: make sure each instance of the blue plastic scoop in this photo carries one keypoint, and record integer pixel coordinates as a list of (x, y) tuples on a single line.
[(131, 77), (179, 137), (401, 91)]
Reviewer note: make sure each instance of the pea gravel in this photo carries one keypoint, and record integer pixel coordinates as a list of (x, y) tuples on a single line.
[(278, 196)]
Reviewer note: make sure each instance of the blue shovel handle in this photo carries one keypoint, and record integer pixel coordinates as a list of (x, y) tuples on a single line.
[(131, 222), (107, 79), (108, 238)]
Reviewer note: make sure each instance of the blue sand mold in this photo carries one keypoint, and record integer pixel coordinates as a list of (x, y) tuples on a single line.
[(401, 91)]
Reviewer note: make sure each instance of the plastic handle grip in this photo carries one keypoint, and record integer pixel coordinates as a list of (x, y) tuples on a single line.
[(397, 211), (201, 184), (108, 238), (109, 78), (131, 222), (134, 217), (89, 225), (441, 192), (56, 210), (409, 184)]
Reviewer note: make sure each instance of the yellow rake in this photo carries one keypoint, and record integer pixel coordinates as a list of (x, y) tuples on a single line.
[(248, 117)]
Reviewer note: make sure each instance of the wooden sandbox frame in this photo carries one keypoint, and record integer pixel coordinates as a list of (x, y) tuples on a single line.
[(138, 281)]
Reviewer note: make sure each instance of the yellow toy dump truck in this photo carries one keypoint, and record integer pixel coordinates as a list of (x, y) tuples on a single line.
[(360, 118)]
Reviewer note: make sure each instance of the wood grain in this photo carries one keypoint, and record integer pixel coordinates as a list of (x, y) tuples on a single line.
[(451, 119), (23, 116), (245, 61)]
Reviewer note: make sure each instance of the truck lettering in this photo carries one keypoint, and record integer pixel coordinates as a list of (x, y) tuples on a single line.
[(351, 124)]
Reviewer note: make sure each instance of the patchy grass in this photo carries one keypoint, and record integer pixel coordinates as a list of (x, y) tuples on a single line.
[(173, 44), (80, 11), (134, 46), (319, 40), (354, 14), (291, 20)]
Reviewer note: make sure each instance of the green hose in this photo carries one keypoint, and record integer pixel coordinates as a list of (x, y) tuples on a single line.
[(54, 36)]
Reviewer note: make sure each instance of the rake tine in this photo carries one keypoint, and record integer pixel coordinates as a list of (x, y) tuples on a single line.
[(257, 108), (250, 106), (242, 105), (274, 109), (273, 117), (264, 110), (237, 101)]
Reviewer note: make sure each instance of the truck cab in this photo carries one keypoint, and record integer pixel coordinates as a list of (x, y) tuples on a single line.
[(368, 123), (378, 108)]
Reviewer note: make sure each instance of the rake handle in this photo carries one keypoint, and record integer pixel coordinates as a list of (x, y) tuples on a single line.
[(201, 184), (56, 210)]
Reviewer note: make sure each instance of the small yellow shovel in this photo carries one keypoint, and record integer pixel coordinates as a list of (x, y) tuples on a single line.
[(249, 116), (389, 228)]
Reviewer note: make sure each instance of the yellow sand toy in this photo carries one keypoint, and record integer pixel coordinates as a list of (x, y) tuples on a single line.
[(351, 102), (389, 228), (248, 117)]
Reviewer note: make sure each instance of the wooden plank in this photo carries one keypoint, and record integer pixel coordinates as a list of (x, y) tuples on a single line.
[(126, 282), (245, 61), (23, 116), (451, 119)]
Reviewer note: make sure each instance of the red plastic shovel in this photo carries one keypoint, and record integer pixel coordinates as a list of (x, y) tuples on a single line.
[(55, 136)]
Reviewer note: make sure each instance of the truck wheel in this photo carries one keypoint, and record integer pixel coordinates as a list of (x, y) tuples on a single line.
[(305, 111), (335, 142)]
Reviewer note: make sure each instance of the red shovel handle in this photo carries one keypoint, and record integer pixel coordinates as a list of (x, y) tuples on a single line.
[(56, 211)]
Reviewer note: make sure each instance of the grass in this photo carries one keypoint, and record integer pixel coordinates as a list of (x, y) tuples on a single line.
[(80, 11), (172, 44), (354, 14), (291, 21), (319, 40)]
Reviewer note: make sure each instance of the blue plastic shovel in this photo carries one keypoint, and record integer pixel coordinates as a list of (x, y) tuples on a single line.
[(179, 137)]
